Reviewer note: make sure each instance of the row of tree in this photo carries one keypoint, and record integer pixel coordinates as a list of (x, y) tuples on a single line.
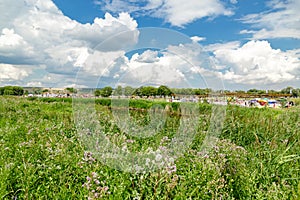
[(164, 91), (12, 90), (147, 91), (130, 91)]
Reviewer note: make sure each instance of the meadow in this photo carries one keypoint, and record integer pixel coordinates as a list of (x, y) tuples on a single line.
[(256, 156)]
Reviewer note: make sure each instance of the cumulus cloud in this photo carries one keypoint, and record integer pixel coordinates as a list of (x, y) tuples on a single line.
[(182, 12), (282, 21), (178, 13), (13, 47), (10, 72), (183, 65), (102, 29), (36, 33), (147, 57), (197, 38), (149, 68), (257, 63)]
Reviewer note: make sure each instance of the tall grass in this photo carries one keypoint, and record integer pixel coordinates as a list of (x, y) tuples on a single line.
[(41, 156)]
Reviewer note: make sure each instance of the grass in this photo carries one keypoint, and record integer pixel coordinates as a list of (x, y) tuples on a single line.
[(43, 157)]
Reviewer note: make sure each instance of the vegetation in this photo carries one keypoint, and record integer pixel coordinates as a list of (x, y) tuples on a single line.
[(42, 157), (71, 90), (12, 90), (104, 92), (147, 91)]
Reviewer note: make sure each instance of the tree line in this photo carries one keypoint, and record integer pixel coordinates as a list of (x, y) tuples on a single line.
[(143, 91), (147, 91), (163, 91)]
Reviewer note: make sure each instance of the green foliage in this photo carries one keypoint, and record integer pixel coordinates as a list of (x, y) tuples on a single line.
[(256, 91), (164, 91), (145, 91), (128, 91), (118, 91), (103, 101), (71, 90), (11, 90), (106, 91), (296, 92), (97, 93), (287, 90)]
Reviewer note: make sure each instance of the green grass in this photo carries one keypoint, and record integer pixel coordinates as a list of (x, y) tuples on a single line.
[(42, 157)]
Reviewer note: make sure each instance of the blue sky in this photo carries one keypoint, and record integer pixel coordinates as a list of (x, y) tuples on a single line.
[(224, 44)]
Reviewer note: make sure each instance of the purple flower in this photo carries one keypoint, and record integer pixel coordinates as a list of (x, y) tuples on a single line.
[(130, 141), (88, 178), (172, 169), (105, 188), (94, 174)]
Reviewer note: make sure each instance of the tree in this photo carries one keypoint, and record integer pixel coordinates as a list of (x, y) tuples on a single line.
[(97, 93), (45, 91), (8, 90), (145, 91), (18, 91), (12, 90), (71, 90), (256, 91), (106, 91), (287, 90), (149, 91), (296, 92), (128, 91), (37, 91), (164, 91), (199, 92), (118, 91), (240, 91)]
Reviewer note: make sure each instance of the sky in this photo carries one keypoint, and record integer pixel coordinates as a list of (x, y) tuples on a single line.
[(219, 44)]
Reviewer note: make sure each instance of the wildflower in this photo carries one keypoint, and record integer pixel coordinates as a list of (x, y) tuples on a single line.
[(206, 156), (105, 188), (171, 169), (130, 141), (171, 160), (94, 174), (158, 157), (147, 161)]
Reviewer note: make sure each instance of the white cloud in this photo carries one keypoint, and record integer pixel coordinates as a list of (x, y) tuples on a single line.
[(13, 47), (34, 84), (147, 57), (100, 63), (282, 21), (197, 38), (223, 46), (36, 33), (148, 68), (10, 72), (183, 65), (103, 29), (181, 12), (257, 63), (177, 13)]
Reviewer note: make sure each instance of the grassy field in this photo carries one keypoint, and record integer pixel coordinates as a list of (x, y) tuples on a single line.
[(257, 155)]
